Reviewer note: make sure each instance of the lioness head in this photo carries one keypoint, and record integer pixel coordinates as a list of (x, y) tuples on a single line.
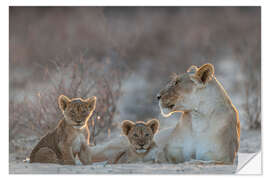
[(140, 134), (77, 111), (180, 93)]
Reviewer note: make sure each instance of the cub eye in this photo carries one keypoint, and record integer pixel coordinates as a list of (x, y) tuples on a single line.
[(72, 112), (136, 135), (177, 82), (84, 112), (146, 135)]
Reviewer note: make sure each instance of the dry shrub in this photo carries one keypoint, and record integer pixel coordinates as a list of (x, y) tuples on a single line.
[(153, 42), (80, 78), (250, 57), (252, 90)]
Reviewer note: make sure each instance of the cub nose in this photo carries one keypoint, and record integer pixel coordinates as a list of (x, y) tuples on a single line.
[(158, 96)]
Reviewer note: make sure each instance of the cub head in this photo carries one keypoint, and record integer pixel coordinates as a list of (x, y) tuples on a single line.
[(180, 93), (77, 111), (140, 134)]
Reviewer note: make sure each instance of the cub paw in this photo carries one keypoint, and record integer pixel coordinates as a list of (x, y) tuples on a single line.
[(67, 162)]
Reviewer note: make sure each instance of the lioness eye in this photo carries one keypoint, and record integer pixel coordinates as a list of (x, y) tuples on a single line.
[(146, 135), (135, 135)]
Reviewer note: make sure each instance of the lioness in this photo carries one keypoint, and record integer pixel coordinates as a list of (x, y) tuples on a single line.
[(71, 136), (141, 147), (209, 128)]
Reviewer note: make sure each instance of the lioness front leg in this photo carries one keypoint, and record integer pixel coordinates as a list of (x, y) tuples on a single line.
[(215, 158), (174, 154), (160, 157), (170, 154)]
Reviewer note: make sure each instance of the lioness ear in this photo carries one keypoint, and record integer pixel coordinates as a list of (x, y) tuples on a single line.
[(153, 124), (126, 126), (63, 102), (91, 103), (205, 73), (192, 69)]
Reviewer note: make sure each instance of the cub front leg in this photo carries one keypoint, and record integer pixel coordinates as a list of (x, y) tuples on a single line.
[(85, 154), (67, 156)]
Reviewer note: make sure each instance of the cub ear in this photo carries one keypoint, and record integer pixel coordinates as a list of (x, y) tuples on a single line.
[(205, 73), (153, 124), (63, 102), (91, 103), (126, 126), (192, 69)]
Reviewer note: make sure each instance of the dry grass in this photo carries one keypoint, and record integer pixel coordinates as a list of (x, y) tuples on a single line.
[(250, 58), (81, 78)]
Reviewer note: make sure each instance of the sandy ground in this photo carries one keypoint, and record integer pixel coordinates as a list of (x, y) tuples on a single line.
[(183, 168), (250, 144), (191, 167), (250, 141)]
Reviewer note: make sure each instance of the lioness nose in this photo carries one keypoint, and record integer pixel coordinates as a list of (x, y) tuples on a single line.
[(158, 96)]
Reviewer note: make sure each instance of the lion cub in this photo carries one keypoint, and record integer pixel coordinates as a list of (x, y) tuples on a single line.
[(142, 147), (71, 136)]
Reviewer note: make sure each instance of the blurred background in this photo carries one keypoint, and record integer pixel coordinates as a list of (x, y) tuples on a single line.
[(124, 56)]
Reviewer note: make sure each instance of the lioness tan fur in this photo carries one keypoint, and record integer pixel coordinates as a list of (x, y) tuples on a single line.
[(142, 147), (209, 128), (71, 136)]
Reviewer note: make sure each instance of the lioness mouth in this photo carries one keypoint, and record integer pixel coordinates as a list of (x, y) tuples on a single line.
[(171, 106), (168, 110)]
